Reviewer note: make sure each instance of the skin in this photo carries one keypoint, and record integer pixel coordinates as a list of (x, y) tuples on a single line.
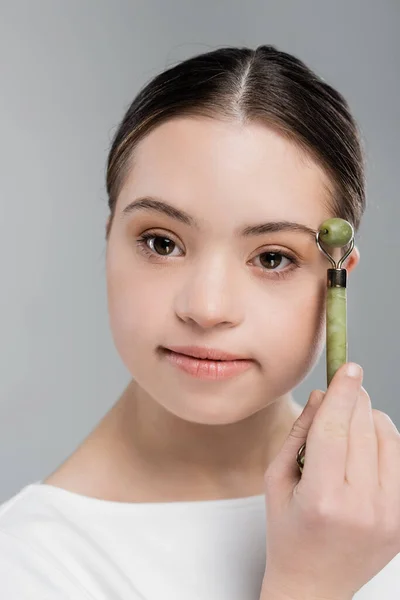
[(171, 437)]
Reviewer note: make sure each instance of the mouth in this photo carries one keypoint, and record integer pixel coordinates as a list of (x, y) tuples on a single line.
[(219, 366), (206, 353)]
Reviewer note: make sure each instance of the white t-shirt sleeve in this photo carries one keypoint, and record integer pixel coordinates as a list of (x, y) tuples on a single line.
[(27, 574)]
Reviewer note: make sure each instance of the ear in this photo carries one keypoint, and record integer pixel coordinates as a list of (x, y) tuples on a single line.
[(352, 261)]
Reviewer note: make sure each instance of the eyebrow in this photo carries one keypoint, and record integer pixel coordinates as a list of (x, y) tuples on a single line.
[(157, 205)]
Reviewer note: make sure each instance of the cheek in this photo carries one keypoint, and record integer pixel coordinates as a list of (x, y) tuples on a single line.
[(308, 325), (292, 314), (291, 330), (311, 321), (137, 311)]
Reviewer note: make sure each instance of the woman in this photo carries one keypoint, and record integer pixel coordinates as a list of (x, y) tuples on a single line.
[(219, 175)]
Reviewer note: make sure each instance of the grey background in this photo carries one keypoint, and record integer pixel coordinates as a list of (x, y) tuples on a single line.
[(68, 72)]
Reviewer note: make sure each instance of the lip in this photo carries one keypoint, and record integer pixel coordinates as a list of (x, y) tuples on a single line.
[(205, 352), (203, 368)]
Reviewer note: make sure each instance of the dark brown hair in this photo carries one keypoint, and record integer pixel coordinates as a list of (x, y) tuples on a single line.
[(264, 85)]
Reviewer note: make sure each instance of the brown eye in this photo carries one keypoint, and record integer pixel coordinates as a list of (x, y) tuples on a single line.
[(272, 260), (162, 245)]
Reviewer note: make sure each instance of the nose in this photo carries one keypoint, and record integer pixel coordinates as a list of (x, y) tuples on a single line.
[(210, 295)]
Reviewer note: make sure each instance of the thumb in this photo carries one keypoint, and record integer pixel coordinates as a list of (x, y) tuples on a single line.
[(284, 467)]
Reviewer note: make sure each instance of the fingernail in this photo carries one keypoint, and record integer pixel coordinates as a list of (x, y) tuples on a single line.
[(354, 370)]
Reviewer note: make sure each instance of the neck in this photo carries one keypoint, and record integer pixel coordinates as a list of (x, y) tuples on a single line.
[(201, 460)]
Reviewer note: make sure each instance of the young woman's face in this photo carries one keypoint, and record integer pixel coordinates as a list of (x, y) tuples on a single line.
[(260, 296)]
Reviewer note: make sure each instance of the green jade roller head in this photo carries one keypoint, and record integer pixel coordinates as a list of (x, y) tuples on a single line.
[(335, 233)]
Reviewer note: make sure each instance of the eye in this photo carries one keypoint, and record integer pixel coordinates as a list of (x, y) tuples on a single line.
[(271, 260), (158, 245)]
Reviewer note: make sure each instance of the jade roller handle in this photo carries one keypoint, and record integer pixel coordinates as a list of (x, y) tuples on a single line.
[(335, 233), (336, 325)]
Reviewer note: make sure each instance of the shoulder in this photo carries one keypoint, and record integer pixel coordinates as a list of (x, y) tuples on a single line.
[(26, 572), (28, 568)]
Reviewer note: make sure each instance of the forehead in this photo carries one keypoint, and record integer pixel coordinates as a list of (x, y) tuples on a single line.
[(229, 172)]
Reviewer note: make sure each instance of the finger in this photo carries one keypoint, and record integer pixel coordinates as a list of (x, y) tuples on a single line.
[(284, 467), (327, 441), (388, 438), (362, 469)]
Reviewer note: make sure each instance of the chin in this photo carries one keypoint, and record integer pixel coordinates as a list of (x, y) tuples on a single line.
[(213, 409)]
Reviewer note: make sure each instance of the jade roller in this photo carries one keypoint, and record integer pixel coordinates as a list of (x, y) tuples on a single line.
[(336, 233)]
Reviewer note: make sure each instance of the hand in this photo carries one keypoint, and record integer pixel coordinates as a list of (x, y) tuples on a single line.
[(335, 527)]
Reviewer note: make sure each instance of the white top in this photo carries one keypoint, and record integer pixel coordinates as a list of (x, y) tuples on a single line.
[(56, 544)]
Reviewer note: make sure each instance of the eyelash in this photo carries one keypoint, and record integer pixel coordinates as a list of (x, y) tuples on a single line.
[(141, 242)]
